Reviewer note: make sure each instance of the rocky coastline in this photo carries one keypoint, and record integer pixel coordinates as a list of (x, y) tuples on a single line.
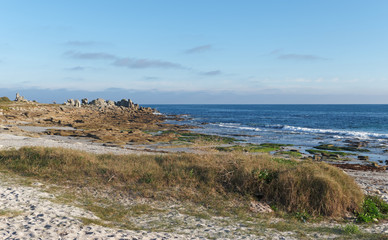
[(122, 127)]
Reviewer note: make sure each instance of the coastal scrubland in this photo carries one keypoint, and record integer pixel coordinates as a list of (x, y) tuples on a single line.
[(224, 177), (207, 179)]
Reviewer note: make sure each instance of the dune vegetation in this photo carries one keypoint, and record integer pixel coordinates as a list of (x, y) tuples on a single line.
[(209, 179)]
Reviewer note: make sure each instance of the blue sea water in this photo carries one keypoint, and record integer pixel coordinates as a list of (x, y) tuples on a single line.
[(302, 125)]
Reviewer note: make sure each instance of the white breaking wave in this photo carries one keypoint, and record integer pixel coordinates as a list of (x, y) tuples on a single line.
[(361, 135), (339, 133), (237, 126)]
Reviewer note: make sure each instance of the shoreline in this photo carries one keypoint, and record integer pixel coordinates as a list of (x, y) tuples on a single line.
[(52, 134), (19, 139)]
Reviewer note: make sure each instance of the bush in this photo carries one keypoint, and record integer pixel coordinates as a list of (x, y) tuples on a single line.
[(373, 208), (308, 188), (4, 100), (318, 189)]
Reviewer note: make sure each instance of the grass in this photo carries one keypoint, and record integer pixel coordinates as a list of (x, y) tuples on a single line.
[(252, 148), (5, 100), (211, 180), (195, 137), (339, 148), (373, 209), (9, 213), (351, 229), (290, 153), (324, 152)]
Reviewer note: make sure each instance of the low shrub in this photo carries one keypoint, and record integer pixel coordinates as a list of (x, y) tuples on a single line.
[(304, 187), (4, 100), (373, 208), (318, 189)]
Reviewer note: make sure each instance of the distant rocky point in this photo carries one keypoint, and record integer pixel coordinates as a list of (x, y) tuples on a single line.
[(99, 102), (21, 98)]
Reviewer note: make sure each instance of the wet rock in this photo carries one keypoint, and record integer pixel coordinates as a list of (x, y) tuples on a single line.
[(325, 154), (363, 158), (335, 156), (317, 157), (357, 144)]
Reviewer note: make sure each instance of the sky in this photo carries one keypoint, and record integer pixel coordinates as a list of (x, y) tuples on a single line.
[(205, 52)]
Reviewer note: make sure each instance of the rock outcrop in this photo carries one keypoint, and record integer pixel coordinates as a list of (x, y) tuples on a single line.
[(70, 102), (20, 98), (98, 102), (105, 104)]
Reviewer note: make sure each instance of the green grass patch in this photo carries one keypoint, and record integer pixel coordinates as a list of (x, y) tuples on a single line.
[(339, 148), (193, 137), (5, 100), (284, 161), (328, 153), (290, 153), (9, 213), (264, 147), (211, 180), (373, 209), (351, 229)]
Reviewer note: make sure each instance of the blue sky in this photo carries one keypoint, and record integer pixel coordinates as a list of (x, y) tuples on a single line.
[(196, 51)]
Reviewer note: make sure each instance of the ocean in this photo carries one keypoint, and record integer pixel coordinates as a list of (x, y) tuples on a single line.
[(305, 126)]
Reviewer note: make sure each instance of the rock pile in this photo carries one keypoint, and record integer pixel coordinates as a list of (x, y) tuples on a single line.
[(20, 98), (99, 102)]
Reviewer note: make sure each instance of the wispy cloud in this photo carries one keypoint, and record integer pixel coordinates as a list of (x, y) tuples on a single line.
[(296, 56), (135, 63), (303, 57), (77, 68), (199, 49), (145, 63), (212, 73), (80, 43), (150, 78), (91, 56)]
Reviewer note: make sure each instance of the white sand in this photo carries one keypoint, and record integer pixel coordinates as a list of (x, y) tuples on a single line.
[(12, 141)]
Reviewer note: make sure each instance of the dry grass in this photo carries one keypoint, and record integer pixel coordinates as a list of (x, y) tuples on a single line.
[(208, 179), (319, 188)]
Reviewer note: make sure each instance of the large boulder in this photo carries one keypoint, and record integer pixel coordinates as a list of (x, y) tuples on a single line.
[(77, 103), (99, 102), (110, 103), (70, 102), (122, 103), (125, 103)]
